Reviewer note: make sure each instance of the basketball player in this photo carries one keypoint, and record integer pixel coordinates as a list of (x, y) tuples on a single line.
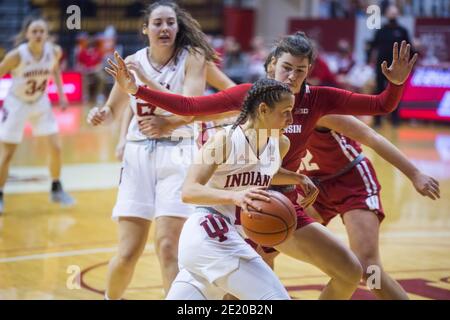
[(311, 242), (214, 78), (350, 188), (151, 179), (31, 64), (213, 255)]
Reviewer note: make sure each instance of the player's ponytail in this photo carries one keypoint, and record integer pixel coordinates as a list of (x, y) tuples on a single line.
[(264, 90)]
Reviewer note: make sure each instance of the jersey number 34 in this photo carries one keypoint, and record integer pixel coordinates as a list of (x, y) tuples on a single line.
[(33, 87)]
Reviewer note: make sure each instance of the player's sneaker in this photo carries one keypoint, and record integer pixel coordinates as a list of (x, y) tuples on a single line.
[(62, 197), (58, 195)]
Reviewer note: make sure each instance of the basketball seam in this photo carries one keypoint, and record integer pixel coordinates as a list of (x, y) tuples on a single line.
[(294, 214), (284, 231), (272, 215), (289, 209), (275, 244)]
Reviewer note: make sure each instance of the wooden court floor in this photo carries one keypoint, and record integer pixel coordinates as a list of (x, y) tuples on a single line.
[(48, 252)]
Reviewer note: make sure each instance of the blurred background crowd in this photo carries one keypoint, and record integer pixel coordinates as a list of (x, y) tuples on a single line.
[(349, 52)]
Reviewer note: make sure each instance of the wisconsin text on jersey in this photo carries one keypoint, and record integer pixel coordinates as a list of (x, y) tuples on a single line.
[(293, 128)]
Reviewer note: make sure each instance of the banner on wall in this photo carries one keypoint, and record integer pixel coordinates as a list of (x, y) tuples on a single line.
[(427, 94), (72, 87), (434, 35)]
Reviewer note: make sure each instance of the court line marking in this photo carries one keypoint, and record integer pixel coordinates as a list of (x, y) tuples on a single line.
[(150, 247), (408, 234), (76, 177), (60, 246), (72, 253)]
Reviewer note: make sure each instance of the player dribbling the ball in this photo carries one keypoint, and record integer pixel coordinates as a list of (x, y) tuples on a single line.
[(214, 258)]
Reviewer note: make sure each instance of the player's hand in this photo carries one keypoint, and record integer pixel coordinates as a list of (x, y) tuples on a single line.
[(310, 190), (120, 149), (154, 126), (426, 185), (97, 116), (244, 198), (401, 65), (137, 68), (121, 74)]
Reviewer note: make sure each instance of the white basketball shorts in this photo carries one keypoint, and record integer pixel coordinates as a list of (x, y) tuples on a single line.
[(15, 113), (214, 260), (152, 175), (211, 247)]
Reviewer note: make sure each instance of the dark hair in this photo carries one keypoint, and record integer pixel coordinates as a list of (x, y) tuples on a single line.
[(297, 44), (268, 91), (21, 36), (189, 32), (269, 58)]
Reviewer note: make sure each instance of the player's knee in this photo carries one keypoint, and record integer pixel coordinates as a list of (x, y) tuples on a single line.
[(55, 148), (167, 249), (7, 156), (353, 271), (128, 258), (370, 264)]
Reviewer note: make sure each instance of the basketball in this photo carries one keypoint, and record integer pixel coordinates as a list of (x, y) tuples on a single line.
[(274, 224)]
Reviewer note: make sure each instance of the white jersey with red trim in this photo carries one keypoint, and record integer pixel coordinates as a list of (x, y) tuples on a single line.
[(170, 76), (244, 168), (30, 77)]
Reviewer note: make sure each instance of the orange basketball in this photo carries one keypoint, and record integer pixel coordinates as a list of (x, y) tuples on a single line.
[(274, 224)]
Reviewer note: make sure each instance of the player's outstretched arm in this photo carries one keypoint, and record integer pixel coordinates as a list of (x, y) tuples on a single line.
[(338, 101), (223, 101), (359, 131)]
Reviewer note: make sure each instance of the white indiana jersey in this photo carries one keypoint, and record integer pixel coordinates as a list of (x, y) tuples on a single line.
[(171, 76), (244, 169), (30, 78)]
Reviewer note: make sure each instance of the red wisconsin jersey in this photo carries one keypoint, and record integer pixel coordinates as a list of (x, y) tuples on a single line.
[(327, 153), (318, 101), (310, 105)]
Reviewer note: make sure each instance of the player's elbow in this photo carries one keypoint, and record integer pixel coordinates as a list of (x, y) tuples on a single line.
[(386, 104), (371, 139)]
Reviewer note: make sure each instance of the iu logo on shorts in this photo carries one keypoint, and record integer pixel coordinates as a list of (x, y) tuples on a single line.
[(215, 226)]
